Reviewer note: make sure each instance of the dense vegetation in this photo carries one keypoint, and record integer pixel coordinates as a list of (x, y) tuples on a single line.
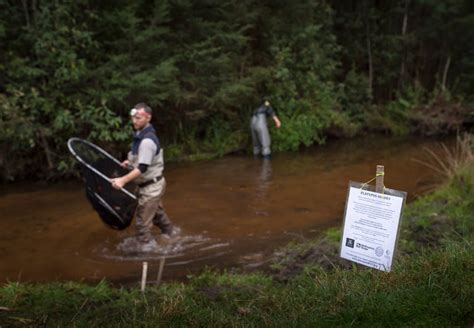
[(431, 284), (74, 68)]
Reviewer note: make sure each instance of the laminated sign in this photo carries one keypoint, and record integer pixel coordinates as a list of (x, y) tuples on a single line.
[(371, 224)]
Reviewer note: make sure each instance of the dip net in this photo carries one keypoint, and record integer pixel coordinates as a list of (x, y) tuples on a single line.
[(115, 207)]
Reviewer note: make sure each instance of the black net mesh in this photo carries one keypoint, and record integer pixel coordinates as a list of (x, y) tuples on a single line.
[(115, 207)]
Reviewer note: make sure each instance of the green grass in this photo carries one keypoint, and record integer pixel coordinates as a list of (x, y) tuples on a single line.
[(434, 289)]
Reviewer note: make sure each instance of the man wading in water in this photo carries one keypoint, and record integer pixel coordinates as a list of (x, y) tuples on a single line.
[(146, 161), (258, 126)]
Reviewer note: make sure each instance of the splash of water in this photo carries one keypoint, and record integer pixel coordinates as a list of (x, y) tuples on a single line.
[(131, 249)]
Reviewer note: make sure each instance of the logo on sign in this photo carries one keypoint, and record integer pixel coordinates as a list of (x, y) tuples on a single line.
[(379, 251), (350, 242)]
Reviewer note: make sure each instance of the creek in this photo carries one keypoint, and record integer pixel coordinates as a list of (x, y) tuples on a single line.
[(233, 212)]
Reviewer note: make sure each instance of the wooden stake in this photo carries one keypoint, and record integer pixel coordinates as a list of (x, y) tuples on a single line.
[(144, 272), (160, 270), (379, 179)]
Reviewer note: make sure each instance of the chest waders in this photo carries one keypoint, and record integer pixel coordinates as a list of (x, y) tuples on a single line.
[(260, 135), (152, 185)]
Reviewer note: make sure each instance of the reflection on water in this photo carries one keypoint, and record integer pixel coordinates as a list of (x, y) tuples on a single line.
[(232, 211), (262, 186)]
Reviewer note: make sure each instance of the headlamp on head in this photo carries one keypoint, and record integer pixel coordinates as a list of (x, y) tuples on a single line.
[(139, 112)]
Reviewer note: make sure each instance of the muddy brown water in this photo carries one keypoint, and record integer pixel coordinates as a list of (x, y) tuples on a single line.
[(233, 212)]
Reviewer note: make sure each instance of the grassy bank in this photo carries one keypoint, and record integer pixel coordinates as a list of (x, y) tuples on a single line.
[(432, 283), (433, 289)]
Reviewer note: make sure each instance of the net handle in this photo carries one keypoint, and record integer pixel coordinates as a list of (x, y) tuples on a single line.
[(69, 145)]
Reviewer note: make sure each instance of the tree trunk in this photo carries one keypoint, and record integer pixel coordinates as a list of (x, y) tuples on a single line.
[(401, 80), (445, 73), (33, 5), (47, 150), (369, 55), (27, 14)]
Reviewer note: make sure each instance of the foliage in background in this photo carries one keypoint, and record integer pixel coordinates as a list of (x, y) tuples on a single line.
[(75, 68), (406, 64)]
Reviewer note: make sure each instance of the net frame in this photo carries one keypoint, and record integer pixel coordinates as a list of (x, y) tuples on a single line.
[(115, 207), (90, 167)]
